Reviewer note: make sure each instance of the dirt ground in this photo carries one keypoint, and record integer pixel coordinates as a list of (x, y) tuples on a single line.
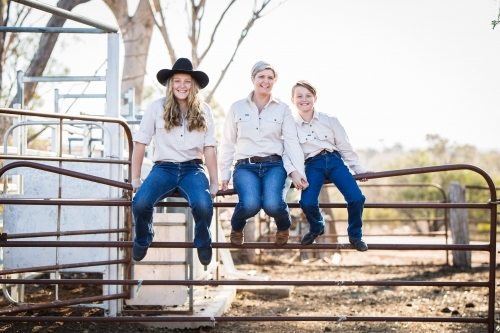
[(317, 301)]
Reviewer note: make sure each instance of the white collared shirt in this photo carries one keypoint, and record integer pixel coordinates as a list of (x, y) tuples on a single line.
[(178, 144), (325, 132), (248, 133)]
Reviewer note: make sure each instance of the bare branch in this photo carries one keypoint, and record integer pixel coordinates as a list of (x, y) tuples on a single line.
[(8, 12), (23, 14), (192, 34), (256, 15), (281, 2), (164, 32), (199, 18), (262, 7), (212, 38)]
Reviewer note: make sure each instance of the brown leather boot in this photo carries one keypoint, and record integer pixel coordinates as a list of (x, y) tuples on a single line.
[(236, 238), (281, 237)]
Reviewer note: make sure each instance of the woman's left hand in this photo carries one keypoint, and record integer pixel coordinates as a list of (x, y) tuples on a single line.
[(365, 179), (299, 181), (213, 189)]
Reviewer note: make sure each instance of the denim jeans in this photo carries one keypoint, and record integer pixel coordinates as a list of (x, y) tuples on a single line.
[(260, 185), (332, 167), (190, 181)]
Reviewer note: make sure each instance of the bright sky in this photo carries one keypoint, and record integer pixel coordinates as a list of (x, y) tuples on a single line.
[(392, 71)]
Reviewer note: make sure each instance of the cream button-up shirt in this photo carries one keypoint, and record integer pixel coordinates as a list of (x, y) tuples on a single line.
[(325, 132), (248, 133), (178, 144)]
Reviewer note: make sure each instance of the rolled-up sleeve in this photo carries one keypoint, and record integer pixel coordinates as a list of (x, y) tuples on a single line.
[(210, 140), (293, 156), (228, 145), (344, 147), (147, 126)]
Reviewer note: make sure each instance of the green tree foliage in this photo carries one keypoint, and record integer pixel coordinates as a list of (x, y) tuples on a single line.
[(441, 152)]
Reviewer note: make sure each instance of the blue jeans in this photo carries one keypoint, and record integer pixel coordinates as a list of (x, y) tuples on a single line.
[(260, 185), (332, 167), (190, 181)]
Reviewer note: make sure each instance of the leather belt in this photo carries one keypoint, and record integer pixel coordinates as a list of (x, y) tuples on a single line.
[(260, 159), (195, 161), (323, 152)]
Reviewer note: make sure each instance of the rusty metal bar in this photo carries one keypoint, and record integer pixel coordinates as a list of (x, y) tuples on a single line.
[(61, 266), (64, 159), (492, 272), (436, 186), (122, 202), (64, 233), (373, 175), (66, 202), (432, 234), (478, 187), (252, 245), (64, 172), (297, 283), (395, 219), (142, 319), (58, 304)]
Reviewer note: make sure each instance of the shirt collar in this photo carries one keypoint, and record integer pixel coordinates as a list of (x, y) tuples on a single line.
[(299, 121), (272, 99)]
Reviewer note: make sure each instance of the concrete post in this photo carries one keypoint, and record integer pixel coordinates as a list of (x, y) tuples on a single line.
[(252, 235), (459, 225)]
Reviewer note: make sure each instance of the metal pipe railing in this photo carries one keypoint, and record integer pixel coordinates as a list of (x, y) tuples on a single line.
[(67, 14), (490, 247), (123, 123)]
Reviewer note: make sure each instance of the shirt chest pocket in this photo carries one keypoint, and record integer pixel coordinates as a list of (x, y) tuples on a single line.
[(325, 136), (242, 117), (195, 139), (175, 133), (160, 130), (273, 123), (304, 137), (243, 124)]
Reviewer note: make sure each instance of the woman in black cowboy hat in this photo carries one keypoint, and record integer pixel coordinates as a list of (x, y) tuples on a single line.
[(182, 126)]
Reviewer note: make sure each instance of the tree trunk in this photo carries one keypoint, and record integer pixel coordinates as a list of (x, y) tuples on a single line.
[(330, 228), (459, 225), (137, 32)]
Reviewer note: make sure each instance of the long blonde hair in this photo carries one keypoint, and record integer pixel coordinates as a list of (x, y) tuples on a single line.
[(195, 115)]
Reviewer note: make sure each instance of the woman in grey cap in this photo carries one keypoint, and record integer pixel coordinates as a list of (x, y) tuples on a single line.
[(260, 134), (182, 126)]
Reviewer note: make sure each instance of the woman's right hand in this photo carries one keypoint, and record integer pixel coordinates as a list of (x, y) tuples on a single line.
[(299, 181), (224, 185), (136, 183)]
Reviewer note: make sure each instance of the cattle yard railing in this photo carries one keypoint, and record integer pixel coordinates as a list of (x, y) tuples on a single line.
[(333, 237), (491, 205)]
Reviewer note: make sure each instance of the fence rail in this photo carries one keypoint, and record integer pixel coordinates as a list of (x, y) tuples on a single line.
[(7, 241)]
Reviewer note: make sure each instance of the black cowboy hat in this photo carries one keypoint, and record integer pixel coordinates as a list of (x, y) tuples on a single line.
[(184, 66)]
